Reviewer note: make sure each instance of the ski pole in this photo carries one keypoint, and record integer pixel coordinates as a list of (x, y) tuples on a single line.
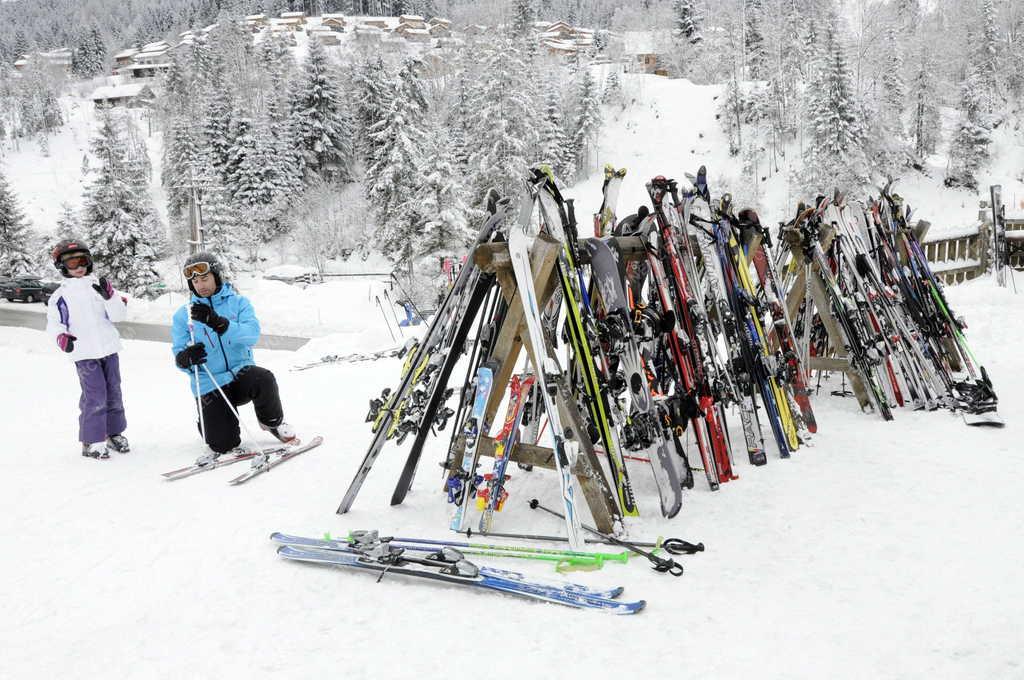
[(675, 546), (611, 557), (565, 562), (661, 564), (195, 373)]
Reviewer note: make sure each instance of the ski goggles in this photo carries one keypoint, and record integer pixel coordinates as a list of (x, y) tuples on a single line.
[(75, 260), (196, 269)]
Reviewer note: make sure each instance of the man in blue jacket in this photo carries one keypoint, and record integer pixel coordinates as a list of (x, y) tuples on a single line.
[(226, 328)]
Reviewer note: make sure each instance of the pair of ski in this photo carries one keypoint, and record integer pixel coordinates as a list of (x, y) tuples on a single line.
[(355, 357), (448, 565), (262, 459)]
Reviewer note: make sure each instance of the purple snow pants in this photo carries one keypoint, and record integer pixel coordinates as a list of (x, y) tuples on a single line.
[(102, 413)]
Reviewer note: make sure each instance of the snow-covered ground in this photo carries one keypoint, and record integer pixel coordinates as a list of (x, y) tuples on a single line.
[(886, 550)]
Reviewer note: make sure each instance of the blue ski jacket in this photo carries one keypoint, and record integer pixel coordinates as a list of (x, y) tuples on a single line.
[(225, 354)]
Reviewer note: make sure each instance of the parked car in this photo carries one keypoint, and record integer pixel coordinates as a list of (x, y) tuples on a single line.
[(28, 289)]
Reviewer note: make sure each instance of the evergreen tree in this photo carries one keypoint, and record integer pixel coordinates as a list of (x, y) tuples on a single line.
[(687, 20), (588, 122), (523, 16), (613, 94), (15, 245), (756, 56), (731, 114), (119, 224), (556, 151), (89, 55), (395, 175), (320, 119), (986, 64), (68, 222), (893, 88), (441, 204), (503, 136), (834, 154), (181, 162), (926, 121), (969, 149), (374, 91)]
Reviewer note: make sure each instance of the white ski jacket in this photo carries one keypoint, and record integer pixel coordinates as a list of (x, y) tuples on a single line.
[(76, 308)]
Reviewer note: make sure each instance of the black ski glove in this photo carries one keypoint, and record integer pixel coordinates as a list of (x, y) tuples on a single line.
[(104, 288), (205, 314), (193, 355)]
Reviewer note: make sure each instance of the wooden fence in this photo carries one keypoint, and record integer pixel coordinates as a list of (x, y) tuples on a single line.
[(967, 254)]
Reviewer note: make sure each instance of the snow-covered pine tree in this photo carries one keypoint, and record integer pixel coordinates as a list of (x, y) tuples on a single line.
[(926, 123), (441, 202), (730, 113), (179, 174), (587, 124), (523, 16), (117, 219), (396, 172), (504, 139), (687, 20), (320, 119), (16, 258), (894, 91), (373, 99), (89, 55), (258, 179), (755, 51), (969, 148), (835, 131), (986, 58), (556, 150), (224, 229), (613, 94), (68, 222)]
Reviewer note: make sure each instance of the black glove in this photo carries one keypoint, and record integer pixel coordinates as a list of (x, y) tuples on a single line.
[(193, 355), (104, 288), (205, 314)]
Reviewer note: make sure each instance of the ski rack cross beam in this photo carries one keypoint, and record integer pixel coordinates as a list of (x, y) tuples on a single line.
[(795, 297), (494, 258)]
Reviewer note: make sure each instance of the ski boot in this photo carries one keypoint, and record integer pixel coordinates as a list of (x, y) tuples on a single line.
[(97, 450), (119, 443), (283, 431)]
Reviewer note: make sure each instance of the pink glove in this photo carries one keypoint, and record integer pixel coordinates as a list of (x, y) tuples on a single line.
[(66, 342)]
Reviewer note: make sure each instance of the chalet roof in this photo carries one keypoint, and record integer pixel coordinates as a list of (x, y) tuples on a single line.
[(144, 67), (334, 15), (405, 28), (124, 54), (567, 46), (439, 20), (121, 91), (293, 15), (256, 17), (153, 46), (409, 18)]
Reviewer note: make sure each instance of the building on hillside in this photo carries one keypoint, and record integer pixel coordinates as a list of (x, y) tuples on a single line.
[(152, 53), (256, 22), (477, 29), (413, 34), (440, 30), (560, 30), (559, 48), (57, 61), (335, 22), (325, 35), (639, 52), (412, 20), (382, 24), (124, 57), (295, 16), (368, 34), (438, 21), (133, 96), (284, 31)]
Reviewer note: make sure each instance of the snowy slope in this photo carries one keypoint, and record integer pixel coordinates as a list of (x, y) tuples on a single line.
[(670, 129), (886, 550)]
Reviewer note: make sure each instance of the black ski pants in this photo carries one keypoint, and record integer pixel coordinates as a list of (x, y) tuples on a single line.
[(251, 383)]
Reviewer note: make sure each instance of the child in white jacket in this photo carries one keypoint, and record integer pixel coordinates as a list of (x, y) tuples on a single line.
[(80, 319)]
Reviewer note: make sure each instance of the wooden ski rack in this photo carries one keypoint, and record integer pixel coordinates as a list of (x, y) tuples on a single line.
[(494, 258)]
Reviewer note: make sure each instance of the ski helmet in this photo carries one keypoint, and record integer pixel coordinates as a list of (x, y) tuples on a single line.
[(193, 267), (68, 247)]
